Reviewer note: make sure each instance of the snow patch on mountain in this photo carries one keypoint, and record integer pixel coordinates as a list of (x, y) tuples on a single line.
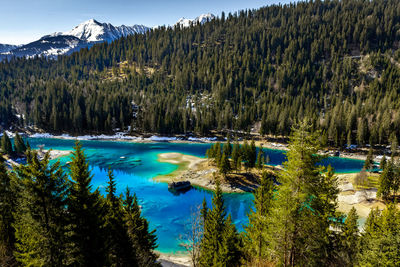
[(4, 48), (184, 22)]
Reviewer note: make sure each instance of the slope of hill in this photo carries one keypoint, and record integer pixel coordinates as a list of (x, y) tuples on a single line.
[(333, 62)]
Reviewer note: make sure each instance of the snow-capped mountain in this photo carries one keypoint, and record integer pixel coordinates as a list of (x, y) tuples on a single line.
[(4, 48), (94, 31), (184, 22), (49, 46), (84, 35)]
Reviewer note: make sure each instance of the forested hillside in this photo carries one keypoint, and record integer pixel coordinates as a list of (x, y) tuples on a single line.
[(336, 62)]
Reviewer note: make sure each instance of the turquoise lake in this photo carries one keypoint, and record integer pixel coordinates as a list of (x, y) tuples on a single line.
[(135, 165)]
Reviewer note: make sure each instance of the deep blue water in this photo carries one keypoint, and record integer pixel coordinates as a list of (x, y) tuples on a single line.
[(135, 164)]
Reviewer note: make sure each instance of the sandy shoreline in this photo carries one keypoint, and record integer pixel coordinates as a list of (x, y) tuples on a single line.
[(54, 154), (176, 259), (200, 173)]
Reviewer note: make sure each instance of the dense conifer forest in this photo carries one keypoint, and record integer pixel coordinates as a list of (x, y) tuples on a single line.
[(336, 62)]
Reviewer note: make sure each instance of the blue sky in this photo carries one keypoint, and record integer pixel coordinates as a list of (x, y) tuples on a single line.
[(23, 21)]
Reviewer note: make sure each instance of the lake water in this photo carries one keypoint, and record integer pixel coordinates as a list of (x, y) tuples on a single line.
[(135, 165)]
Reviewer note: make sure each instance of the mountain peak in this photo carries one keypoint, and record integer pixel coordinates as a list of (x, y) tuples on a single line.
[(94, 31), (84, 35), (203, 18)]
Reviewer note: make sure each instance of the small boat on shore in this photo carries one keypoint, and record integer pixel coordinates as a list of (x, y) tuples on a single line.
[(179, 186)]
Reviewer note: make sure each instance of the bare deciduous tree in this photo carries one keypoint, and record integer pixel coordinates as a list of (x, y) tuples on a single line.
[(191, 239)]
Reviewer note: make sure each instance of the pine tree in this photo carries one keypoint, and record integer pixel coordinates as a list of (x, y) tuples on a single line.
[(40, 217), (379, 245), (305, 204), (369, 162), (350, 238), (219, 246), (260, 159), (383, 162), (252, 154), (257, 239), (227, 147), (144, 242), (7, 208), (224, 165), (386, 181), (85, 215), (118, 243), (19, 144), (6, 145), (235, 155)]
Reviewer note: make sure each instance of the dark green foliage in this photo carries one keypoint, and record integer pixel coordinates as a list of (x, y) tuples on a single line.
[(350, 238), (257, 238), (383, 162), (118, 244), (260, 159), (389, 180), (369, 161), (227, 148), (46, 220), (380, 240), (6, 146), (224, 165), (19, 144), (236, 156), (143, 241), (85, 215), (7, 208), (220, 242), (40, 214), (305, 205)]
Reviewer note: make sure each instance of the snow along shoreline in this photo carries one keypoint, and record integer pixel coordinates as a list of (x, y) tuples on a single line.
[(120, 136)]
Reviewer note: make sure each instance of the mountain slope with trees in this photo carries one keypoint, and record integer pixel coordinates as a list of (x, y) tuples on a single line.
[(335, 62)]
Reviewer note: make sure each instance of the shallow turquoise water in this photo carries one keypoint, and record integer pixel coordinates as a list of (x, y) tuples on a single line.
[(135, 165)]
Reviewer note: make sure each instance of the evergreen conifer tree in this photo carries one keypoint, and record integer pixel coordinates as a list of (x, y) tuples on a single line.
[(7, 208), (257, 238), (369, 162), (6, 145), (219, 246), (260, 159), (235, 155), (380, 242), (40, 216), (143, 241), (224, 165), (85, 213), (383, 162), (350, 238), (305, 204), (386, 181), (118, 244), (19, 144)]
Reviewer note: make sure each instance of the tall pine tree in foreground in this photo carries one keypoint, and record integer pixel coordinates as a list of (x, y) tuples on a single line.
[(40, 217), (7, 207), (143, 241), (257, 237), (305, 205), (380, 241), (350, 238), (220, 243), (85, 215), (120, 250)]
